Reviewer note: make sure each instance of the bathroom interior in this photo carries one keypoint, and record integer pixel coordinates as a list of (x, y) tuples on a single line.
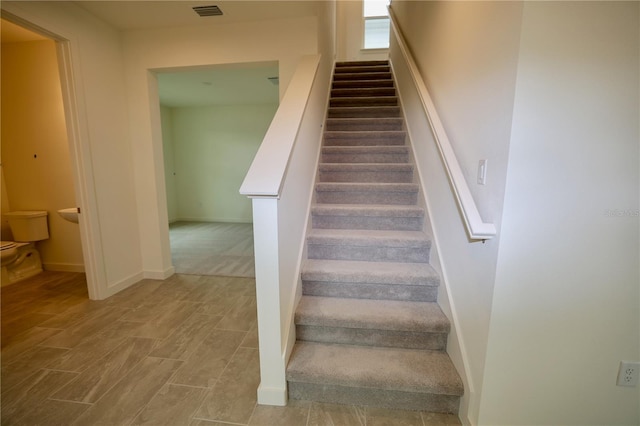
[(36, 171)]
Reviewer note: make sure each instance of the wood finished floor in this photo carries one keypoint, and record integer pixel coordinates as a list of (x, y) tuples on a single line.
[(212, 248), (183, 351)]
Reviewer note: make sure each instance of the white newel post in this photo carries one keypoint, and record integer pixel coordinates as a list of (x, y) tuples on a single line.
[(273, 384)]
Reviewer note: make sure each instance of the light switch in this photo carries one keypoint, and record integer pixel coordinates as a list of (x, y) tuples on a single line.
[(482, 172)]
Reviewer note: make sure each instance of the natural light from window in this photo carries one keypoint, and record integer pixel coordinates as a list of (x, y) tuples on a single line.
[(376, 24)]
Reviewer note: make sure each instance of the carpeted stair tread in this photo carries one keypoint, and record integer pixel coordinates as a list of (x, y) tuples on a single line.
[(363, 272), (343, 84), (355, 69), (347, 64), (370, 75), (363, 138), (355, 92), (377, 210), (359, 237), (364, 101), (367, 187), (350, 150), (366, 193), (398, 167), (370, 245), (362, 154), (364, 112), (365, 123), (371, 314), (405, 370), (366, 172)]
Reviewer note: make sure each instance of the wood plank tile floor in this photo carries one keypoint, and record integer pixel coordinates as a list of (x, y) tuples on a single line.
[(212, 248), (183, 351)]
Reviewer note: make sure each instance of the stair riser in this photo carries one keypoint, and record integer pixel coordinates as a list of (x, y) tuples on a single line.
[(357, 84), (354, 92), (364, 124), (364, 102), (367, 197), (364, 157), (367, 337), (367, 222), (358, 139), (377, 253), (371, 112), (409, 293), (334, 394), (342, 76), (362, 69), (378, 177), (347, 64)]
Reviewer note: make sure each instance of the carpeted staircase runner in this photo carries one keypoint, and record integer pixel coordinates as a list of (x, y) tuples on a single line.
[(369, 330)]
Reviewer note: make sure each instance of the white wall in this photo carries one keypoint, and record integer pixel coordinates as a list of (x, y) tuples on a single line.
[(213, 148), (565, 308), (283, 40), (105, 170), (35, 151), (467, 55)]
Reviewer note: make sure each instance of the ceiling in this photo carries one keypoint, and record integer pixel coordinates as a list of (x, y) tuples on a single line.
[(130, 15), (225, 85)]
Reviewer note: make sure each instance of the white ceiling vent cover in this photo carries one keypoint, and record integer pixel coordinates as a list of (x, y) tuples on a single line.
[(207, 10)]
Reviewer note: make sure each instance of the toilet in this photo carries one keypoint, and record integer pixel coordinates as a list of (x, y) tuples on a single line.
[(20, 259)]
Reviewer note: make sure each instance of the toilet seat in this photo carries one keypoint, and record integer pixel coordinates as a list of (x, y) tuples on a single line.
[(5, 245)]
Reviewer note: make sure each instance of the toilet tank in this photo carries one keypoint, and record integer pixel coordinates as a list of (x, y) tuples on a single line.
[(28, 226)]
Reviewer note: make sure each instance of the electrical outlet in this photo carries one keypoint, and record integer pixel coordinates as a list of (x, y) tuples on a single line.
[(628, 373)]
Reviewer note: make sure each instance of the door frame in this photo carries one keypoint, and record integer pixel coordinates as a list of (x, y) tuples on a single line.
[(80, 153)]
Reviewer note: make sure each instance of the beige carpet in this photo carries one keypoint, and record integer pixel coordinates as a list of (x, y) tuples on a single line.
[(212, 248)]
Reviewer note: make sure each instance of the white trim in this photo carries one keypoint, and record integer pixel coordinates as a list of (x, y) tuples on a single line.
[(213, 219), (477, 229), (159, 275), (272, 396), (267, 267), (122, 284)]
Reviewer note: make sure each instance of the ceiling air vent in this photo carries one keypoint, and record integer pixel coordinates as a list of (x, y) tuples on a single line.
[(207, 10)]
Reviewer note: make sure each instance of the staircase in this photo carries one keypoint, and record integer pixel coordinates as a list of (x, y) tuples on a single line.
[(368, 326)]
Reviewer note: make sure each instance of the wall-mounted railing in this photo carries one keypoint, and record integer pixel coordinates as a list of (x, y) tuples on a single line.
[(477, 229)]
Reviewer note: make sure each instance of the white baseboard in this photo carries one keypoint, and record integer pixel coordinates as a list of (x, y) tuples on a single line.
[(63, 267), (113, 288), (159, 275), (272, 396), (214, 219)]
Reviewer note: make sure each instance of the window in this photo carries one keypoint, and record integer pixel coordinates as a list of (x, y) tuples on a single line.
[(376, 24)]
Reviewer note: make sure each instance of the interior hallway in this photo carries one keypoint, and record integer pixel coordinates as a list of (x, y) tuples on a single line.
[(183, 351)]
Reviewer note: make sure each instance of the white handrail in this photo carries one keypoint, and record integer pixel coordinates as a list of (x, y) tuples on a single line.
[(476, 227), (266, 174)]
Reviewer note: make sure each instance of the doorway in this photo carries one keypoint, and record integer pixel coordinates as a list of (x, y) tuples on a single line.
[(68, 114), (213, 121), (37, 172)]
